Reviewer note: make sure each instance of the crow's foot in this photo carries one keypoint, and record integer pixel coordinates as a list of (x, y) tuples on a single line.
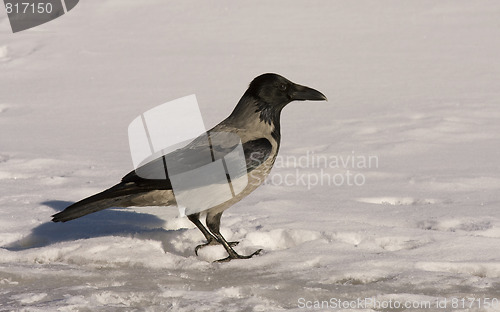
[(237, 256)]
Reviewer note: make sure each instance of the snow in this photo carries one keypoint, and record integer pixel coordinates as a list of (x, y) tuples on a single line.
[(414, 84)]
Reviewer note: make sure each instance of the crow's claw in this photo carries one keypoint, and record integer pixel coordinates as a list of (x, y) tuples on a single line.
[(237, 256)]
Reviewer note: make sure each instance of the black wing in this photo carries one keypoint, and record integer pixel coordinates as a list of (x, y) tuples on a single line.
[(155, 175)]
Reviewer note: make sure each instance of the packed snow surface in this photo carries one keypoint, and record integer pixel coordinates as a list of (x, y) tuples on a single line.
[(389, 191)]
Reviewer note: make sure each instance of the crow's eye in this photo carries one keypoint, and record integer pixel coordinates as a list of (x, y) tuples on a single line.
[(282, 86)]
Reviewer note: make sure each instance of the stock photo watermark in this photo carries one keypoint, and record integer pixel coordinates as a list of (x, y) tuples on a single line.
[(26, 14), (312, 170), (373, 303)]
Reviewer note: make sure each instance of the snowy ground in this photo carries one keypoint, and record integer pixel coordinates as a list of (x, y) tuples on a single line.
[(414, 85)]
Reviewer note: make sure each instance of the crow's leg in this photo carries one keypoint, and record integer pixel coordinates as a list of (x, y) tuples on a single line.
[(211, 239), (213, 223)]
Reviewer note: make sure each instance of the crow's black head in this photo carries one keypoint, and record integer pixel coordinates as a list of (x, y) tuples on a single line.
[(272, 92), (265, 98), (277, 91)]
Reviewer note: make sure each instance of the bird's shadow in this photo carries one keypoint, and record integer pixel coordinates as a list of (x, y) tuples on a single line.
[(99, 224)]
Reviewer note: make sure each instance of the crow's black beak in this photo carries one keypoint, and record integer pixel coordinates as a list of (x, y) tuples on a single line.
[(303, 93)]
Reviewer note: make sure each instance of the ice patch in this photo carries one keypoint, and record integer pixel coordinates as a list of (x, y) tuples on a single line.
[(397, 201)]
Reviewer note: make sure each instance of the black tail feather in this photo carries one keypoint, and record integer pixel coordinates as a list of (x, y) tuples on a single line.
[(113, 197)]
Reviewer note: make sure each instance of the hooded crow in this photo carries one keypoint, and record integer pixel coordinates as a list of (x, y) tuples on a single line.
[(255, 121)]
